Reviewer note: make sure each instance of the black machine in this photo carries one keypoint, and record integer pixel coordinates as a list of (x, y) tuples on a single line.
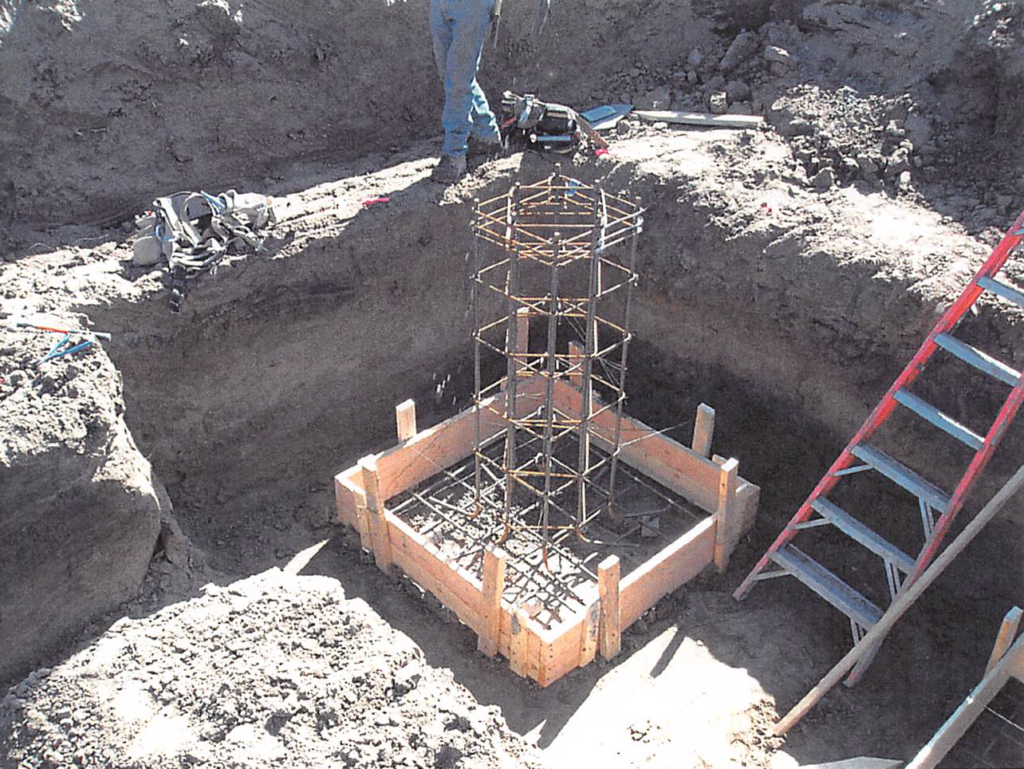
[(526, 121)]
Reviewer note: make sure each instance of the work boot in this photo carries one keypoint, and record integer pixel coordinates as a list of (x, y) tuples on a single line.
[(450, 169)]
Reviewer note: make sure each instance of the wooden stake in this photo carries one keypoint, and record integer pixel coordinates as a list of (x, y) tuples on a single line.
[(405, 418), (519, 646), (899, 607), (726, 527), (1007, 632), (610, 635), (588, 640), (376, 515), (493, 588), (363, 526), (703, 429)]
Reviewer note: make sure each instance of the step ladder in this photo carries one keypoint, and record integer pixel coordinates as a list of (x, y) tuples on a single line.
[(783, 558)]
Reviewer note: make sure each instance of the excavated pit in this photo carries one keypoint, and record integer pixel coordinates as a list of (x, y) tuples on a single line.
[(788, 307), (283, 370)]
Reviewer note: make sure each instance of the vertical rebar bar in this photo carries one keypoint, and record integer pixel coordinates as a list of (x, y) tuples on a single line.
[(549, 391), (477, 377), (587, 395), (630, 282), (511, 291)]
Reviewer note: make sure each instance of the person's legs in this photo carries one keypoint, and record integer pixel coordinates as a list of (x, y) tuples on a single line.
[(465, 106), (441, 36), (485, 125)]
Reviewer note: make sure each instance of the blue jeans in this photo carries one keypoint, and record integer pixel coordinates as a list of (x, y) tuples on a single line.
[(459, 30)]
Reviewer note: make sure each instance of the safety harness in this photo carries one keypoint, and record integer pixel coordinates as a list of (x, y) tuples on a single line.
[(193, 231)]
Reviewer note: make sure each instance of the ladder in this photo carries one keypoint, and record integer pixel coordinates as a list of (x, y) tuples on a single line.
[(783, 558)]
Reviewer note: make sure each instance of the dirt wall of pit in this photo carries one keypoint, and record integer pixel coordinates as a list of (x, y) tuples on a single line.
[(80, 508), (104, 105)]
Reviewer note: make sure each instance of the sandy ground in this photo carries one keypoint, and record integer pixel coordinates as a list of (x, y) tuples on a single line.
[(788, 273)]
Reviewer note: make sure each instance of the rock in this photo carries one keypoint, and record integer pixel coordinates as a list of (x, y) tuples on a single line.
[(175, 544), (742, 48), (797, 126), (717, 83), (823, 180), (407, 678), (691, 77), (894, 130), (919, 130), (622, 128), (695, 59), (904, 181), (737, 90), (898, 162), (867, 166), (657, 98), (775, 55), (850, 168), (718, 102)]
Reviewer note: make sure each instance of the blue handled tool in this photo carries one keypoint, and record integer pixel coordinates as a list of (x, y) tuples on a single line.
[(64, 346)]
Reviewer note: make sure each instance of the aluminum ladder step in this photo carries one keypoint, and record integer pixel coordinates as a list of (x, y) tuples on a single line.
[(902, 475), (980, 360), (940, 419), (856, 530), (1001, 289), (827, 585)]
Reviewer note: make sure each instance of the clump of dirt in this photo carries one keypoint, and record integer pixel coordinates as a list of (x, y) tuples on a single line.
[(272, 670)]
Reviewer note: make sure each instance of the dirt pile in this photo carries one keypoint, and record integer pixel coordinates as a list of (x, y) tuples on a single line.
[(80, 508), (274, 670)]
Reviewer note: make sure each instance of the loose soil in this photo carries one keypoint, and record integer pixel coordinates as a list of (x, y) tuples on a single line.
[(787, 275)]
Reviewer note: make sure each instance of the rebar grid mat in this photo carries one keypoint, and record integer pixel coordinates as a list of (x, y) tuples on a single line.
[(560, 234), (442, 509)]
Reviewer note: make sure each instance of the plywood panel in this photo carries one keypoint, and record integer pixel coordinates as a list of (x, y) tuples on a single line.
[(676, 564)]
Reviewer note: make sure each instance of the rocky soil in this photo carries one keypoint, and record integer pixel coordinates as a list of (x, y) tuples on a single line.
[(788, 273), (274, 670)]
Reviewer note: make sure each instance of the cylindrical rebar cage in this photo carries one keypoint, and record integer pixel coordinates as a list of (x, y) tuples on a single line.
[(553, 278)]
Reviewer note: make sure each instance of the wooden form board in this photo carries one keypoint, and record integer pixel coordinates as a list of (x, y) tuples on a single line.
[(701, 119), (541, 653)]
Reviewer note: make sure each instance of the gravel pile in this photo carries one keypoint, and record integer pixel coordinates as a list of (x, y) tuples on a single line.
[(275, 670)]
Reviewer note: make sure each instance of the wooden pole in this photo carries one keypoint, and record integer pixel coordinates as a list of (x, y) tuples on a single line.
[(703, 430), (726, 534), (610, 634), (899, 607), (493, 588), (405, 419), (1007, 632)]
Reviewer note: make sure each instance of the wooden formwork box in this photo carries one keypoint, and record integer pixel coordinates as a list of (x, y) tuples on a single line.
[(545, 654)]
